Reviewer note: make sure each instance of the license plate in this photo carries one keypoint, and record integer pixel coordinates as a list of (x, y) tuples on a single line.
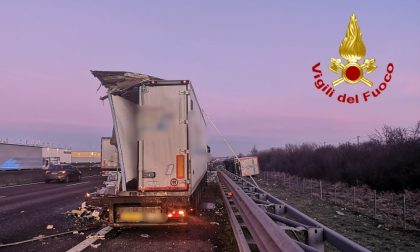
[(140, 214)]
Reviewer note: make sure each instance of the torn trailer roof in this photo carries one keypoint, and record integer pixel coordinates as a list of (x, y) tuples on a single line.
[(125, 84)]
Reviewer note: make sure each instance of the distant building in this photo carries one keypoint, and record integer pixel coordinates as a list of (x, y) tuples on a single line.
[(56, 156), (85, 157)]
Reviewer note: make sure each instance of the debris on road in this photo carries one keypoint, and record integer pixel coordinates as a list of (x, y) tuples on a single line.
[(214, 223), (50, 227), (339, 213), (207, 205), (96, 214), (95, 245), (86, 215), (145, 235), (96, 236)]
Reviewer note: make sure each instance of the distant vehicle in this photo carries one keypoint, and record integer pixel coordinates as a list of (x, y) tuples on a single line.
[(161, 139), (62, 173), (96, 166), (109, 154)]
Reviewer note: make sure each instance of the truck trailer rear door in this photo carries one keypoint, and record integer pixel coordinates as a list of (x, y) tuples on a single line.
[(162, 122)]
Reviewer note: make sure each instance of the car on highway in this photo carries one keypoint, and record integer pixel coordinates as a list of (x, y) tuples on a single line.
[(62, 173)]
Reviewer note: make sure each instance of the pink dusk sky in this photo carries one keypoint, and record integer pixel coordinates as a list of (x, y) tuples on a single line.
[(250, 63)]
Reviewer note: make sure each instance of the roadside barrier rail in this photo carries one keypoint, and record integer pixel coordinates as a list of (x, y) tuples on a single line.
[(268, 218)]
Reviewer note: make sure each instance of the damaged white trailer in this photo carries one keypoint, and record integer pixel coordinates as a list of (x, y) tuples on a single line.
[(161, 137)]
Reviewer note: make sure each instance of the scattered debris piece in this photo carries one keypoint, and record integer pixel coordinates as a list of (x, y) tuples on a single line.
[(96, 214), (207, 205), (96, 236), (95, 245), (49, 227), (339, 213), (214, 223), (39, 237), (78, 213), (22, 211), (145, 235)]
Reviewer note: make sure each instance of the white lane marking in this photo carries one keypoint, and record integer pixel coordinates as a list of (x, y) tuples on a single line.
[(91, 176), (21, 185), (78, 183), (90, 240), (10, 186), (2, 196)]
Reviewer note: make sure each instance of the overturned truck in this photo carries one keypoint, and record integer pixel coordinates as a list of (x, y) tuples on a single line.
[(161, 137)]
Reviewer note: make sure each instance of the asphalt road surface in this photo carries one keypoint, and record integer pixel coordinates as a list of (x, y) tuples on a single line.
[(26, 210)]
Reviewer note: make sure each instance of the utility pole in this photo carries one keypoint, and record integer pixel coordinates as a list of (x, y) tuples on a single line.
[(358, 140)]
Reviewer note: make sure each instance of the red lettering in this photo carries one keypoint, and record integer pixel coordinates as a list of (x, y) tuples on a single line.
[(389, 68), (366, 95), (319, 83), (382, 86), (376, 92), (315, 68), (341, 98)]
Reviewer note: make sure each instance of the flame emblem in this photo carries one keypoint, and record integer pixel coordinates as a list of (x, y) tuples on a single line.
[(352, 49)]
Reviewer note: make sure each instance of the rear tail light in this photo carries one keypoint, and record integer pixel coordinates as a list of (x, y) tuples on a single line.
[(176, 214)]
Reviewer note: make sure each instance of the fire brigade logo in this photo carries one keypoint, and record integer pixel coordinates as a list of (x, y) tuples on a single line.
[(352, 49)]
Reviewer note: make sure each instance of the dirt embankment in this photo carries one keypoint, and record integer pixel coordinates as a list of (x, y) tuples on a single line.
[(367, 231)]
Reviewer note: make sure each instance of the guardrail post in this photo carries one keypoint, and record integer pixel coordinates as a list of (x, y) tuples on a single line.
[(354, 197), (303, 185), (311, 187), (335, 193), (374, 203), (284, 179), (262, 196), (320, 188), (316, 238), (279, 209), (404, 211)]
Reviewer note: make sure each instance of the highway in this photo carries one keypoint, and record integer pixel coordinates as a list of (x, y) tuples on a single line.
[(26, 210)]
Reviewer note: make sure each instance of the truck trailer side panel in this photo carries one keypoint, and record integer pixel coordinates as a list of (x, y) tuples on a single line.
[(124, 116), (197, 140)]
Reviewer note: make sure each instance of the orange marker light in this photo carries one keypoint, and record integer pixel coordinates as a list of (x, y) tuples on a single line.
[(180, 166)]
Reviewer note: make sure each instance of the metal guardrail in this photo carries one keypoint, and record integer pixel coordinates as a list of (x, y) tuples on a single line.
[(265, 233), (266, 211)]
